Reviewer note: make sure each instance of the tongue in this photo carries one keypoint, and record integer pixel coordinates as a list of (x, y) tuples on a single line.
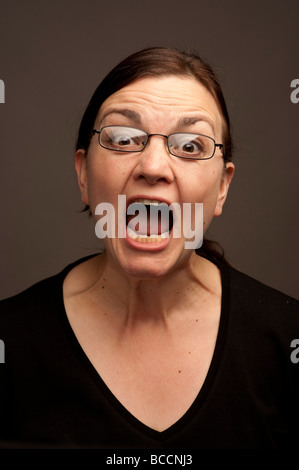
[(148, 219)]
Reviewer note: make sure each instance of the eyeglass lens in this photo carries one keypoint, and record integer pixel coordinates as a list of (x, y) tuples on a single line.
[(129, 139)]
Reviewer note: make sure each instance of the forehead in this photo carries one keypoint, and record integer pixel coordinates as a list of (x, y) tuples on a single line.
[(167, 97)]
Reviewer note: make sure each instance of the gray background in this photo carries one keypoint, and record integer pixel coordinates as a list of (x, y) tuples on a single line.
[(53, 55)]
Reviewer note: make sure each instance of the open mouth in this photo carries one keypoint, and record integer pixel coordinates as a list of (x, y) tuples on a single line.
[(149, 221)]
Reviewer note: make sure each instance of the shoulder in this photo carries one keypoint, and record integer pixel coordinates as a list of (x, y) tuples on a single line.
[(32, 305), (249, 290), (255, 305), (23, 312)]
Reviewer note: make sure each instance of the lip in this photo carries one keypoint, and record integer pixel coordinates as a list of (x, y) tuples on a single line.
[(150, 247), (153, 246)]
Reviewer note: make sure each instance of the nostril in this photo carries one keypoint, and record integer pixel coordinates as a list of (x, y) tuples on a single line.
[(152, 179)]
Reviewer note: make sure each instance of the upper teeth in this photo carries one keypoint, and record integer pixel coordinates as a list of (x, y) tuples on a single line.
[(152, 202)]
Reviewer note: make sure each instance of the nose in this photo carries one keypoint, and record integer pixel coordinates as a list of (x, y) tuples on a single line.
[(155, 163)]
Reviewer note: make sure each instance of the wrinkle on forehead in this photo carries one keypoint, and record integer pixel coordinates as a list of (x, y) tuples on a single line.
[(169, 97)]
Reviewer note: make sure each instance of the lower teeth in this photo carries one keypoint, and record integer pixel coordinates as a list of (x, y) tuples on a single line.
[(146, 238)]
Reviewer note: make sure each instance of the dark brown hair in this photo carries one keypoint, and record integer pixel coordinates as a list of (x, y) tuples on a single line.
[(156, 62)]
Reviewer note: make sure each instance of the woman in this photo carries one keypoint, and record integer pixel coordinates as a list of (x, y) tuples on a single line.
[(151, 344)]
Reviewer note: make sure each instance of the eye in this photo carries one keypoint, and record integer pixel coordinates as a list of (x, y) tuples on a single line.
[(122, 140), (188, 145)]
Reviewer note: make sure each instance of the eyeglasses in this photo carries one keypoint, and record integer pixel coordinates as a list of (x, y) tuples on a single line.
[(180, 144)]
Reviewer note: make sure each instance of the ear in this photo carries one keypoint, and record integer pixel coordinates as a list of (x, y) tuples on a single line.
[(226, 179), (81, 170)]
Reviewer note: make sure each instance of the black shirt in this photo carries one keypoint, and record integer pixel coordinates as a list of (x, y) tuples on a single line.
[(51, 395)]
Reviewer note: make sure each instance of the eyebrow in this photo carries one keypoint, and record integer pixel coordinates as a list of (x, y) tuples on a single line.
[(184, 121), (190, 120), (129, 113)]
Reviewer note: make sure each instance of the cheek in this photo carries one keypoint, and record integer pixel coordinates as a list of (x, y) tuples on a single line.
[(104, 182), (203, 187)]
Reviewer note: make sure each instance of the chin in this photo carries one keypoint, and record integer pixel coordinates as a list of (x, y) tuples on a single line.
[(149, 264), (146, 269)]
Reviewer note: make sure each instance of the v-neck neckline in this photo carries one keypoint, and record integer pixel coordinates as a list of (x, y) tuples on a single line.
[(205, 388)]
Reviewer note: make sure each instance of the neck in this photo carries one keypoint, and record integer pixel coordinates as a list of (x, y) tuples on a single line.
[(156, 301)]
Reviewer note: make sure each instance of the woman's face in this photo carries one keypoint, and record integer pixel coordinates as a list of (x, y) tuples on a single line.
[(158, 106)]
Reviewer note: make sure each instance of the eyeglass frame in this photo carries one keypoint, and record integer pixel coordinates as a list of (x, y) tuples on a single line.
[(221, 146)]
